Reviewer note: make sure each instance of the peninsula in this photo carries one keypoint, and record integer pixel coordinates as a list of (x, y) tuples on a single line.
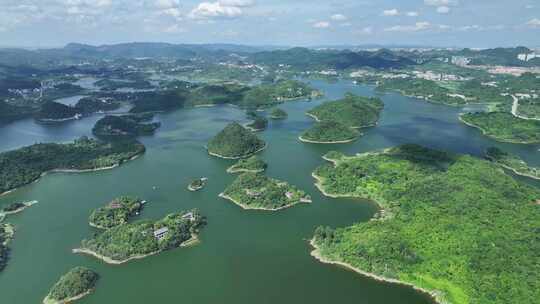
[(257, 191), (138, 240), (125, 126), (330, 132), (74, 285), (504, 127), (512, 162), (15, 208), (26, 165), (118, 212), (478, 210), (235, 142)]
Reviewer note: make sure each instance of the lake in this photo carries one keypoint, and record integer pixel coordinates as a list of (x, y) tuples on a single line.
[(244, 256)]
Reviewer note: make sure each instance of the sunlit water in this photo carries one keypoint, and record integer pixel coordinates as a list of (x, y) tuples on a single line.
[(244, 256)]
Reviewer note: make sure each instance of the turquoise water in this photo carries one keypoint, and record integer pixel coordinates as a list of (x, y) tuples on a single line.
[(244, 256)]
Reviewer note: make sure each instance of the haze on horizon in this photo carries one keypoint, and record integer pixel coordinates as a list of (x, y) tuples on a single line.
[(463, 23)]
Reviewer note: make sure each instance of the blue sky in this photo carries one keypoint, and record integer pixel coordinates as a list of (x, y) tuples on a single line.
[(471, 23)]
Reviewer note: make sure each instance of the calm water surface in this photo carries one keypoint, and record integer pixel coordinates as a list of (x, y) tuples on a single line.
[(245, 256)]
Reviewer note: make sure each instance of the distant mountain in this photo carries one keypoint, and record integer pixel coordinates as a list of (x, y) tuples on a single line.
[(303, 58)]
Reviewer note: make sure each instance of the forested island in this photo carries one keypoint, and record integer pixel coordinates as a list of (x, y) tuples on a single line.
[(448, 223), (197, 184), (278, 114), (257, 191), (6, 234), (125, 126), (235, 142), (118, 212), (56, 112), (74, 285), (512, 162), (140, 239), (329, 132), (504, 127), (25, 165), (352, 111), (10, 112), (14, 208), (89, 105), (253, 164)]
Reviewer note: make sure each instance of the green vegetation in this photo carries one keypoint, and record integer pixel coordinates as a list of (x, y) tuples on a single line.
[(256, 191), (10, 112), (451, 223), (235, 142), (13, 207), (504, 127), (117, 212), (529, 108), (252, 164), (139, 239), (259, 124), (159, 101), (512, 162), (75, 284), (25, 165), (282, 91), (54, 111), (124, 126), (197, 184), (215, 94), (112, 85), (328, 132), (352, 111), (89, 105), (278, 114)]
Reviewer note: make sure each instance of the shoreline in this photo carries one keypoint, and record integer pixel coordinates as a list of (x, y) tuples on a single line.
[(234, 171), (237, 157), (21, 209), (355, 127), (316, 253), (47, 300), (511, 169), (245, 207), (485, 133), (72, 171), (326, 142)]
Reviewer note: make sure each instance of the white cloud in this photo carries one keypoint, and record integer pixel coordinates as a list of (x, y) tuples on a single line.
[(321, 24), (165, 4), (466, 28), (443, 9), (237, 3), (412, 14), (207, 10), (174, 29), (390, 12), (535, 23), (418, 26), (173, 12), (338, 17), (368, 30)]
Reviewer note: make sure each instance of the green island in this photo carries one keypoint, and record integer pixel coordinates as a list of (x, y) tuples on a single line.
[(278, 92), (512, 162), (253, 164), (141, 239), (504, 127), (197, 184), (352, 111), (329, 132), (74, 285), (6, 234), (56, 112), (9, 113), (278, 114), (118, 212), (259, 124), (89, 105), (257, 191), (452, 225), (125, 126), (14, 208), (112, 85), (26, 165), (235, 142)]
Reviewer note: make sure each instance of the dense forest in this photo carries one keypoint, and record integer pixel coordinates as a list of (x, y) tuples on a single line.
[(10, 112), (118, 212), (352, 111), (330, 132), (278, 114), (89, 105), (234, 141), (450, 223), (512, 162), (505, 127), (25, 165), (257, 191), (124, 126), (134, 239), (258, 124), (76, 282), (252, 164), (5, 237), (51, 110)]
